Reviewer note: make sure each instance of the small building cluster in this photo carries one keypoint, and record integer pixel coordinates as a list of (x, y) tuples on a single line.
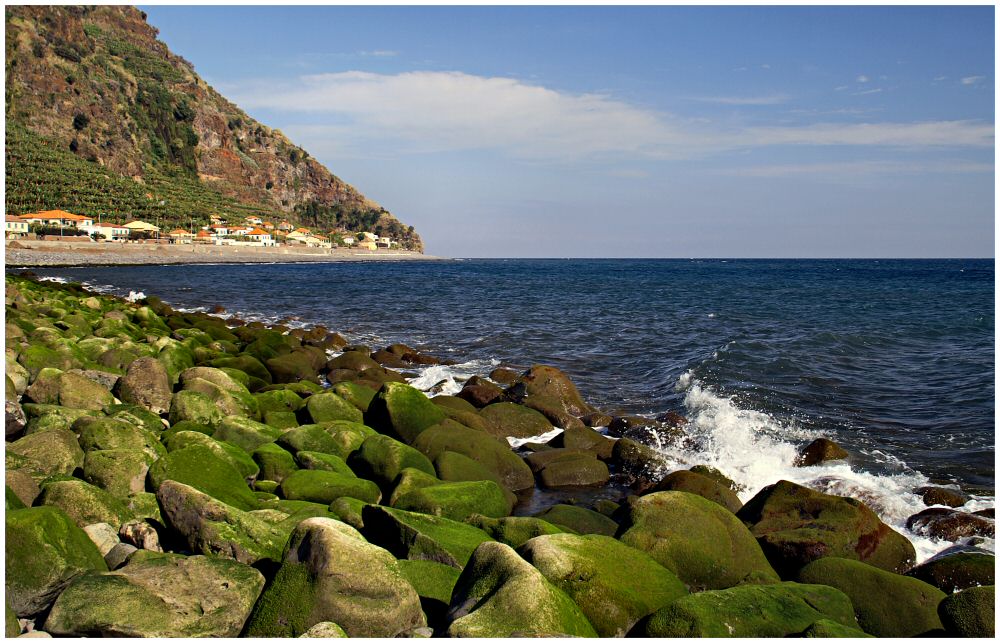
[(253, 231)]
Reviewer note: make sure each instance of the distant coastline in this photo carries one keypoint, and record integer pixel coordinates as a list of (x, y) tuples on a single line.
[(71, 253)]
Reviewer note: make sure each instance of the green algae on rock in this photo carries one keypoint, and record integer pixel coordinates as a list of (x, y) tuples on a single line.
[(970, 613), (201, 468), (578, 520), (326, 486), (457, 500), (401, 411), (418, 536), (514, 530)]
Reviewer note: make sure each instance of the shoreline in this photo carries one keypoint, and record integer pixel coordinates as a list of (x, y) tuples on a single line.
[(37, 254)]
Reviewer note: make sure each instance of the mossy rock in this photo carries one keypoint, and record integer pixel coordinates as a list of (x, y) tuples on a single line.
[(176, 358), (201, 468), (499, 594), (381, 459), (506, 419), (578, 472), (700, 485), (84, 503), (418, 536), (352, 360), (349, 510), (614, 584), (235, 456), (275, 463), (144, 506), (265, 486), (146, 384), (514, 530), (401, 411), (195, 407), (637, 459), (886, 604), (12, 627), (330, 573), (120, 472), (326, 486), (281, 420), (752, 611), (12, 500), (457, 500), (433, 581), (214, 528), (360, 396), (455, 467), (347, 436), (484, 449), (111, 433), (44, 551), (245, 433), (186, 425), (970, 613), (159, 595), (824, 628), (454, 403), (49, 452), (697, 539), (311, 437), (585, 438), (578, 520), (279, 400), (317, 461), (960, 570), (796, 525), (245, 363), (36, 357), (137, 416), (411, 480), (324, 630), (231, 396), (328, 407), (300, 364)]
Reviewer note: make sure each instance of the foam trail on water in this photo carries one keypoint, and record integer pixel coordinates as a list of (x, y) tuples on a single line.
[(447, 380), (755, 450)]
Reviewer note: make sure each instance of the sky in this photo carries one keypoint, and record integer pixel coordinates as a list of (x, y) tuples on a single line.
[(631, 132)]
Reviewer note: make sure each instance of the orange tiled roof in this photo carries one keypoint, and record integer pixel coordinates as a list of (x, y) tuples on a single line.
[(304, 230), (56, 214), (257, 231), (202, 234), (179, 231)]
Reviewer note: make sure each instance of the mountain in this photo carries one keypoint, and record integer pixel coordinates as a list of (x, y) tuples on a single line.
[(103, 119)]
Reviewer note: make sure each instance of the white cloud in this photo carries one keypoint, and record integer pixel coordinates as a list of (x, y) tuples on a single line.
[(876, 90), (972, 80), (775, 99), (863, 79), (379, 53), (840, 88), (938, 79), (390, 114)]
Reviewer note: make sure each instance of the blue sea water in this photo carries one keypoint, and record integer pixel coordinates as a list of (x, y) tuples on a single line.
[(894, 359)]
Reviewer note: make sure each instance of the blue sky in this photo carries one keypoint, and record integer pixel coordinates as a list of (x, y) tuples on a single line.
[(651, 131)]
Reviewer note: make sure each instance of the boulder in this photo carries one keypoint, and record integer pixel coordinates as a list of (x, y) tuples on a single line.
[(360, 396), (585, 438), (942, 496), (970, 613), (514, 530), (615, 585), (947, 524), (484, 449), (195, 407), (214, 528), (140, 534), (754, 611), (327, 407), (326, 486), (352, 360), (434, 583), (697, 539), (499, 594), (323, 462), (505, 419), (84, 503), (453, 403), (330, 573), (349, 510), (96, 434), (198, 467), (22, 486), (44, 551), (411, 480), (275, 463), (886, 604), (819, 451), (585, 471), (230, 395), (246, 363), (578, 520), (638, 460), (235, 456), (245, 433), (416, 536), (278, 400), (103, 535), (457, 500), (699, 485), (548, 382), (401, 411), (480, 392), (381, 459), (504, 376), (146, 384), (54, 452), (951, 571), (324, 630), (120, 472), (159, 595), (73, 391), (796, 525)]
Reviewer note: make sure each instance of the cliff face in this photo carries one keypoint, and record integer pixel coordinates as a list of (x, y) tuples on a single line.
[(97, 82)]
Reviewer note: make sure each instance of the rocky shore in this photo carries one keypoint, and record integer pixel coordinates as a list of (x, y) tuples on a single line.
[(178, 474), (77, 253)]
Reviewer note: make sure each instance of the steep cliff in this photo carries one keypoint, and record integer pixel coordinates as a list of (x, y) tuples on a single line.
[(95, 83)]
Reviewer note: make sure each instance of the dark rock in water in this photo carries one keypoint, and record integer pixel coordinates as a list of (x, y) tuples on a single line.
[(820, 450), (479, 392), (596, 420), (637, 460), (886, 604), (985, 513), (942, 496), (796, 525), (505, 419), (672, 418), (390, 360), (568, 467), (948, 524), (352, 360), (970, 613), (548, 382), (699, 485), (503, 376), (715, 474), (957, 568), (585, 438)]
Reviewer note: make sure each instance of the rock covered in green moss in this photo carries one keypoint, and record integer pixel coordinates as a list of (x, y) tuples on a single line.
[(697, 539), (120, 472), (457, 500), (615, 585), (418, 536), (330, 573), (245, 433), (195, 407), (328, 406), (401, 411), (147, 384), (796, 525), (360, 396), (159, 595), (886, 604), (824, 628), (752, 611), (699, 485), (323, 462), (381, 459), (433, 581), (326, 486), (484, 449), (818, 451), (499, 594), (229, 395), (199, 467), (101, 433), (69, 390), (215, 528), (349, 510), (84, 503), (508, 419), (235, 456), (578, 520), (275, 463), (44, 551), (951, 571), (971, 613), (324, 630), (12, 627), (49, 452), (514, 530)]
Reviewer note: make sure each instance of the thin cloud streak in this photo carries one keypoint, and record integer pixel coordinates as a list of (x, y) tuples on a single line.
[(420, 112), (775, 99)]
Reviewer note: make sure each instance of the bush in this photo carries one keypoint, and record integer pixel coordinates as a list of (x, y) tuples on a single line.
[(80, 121)]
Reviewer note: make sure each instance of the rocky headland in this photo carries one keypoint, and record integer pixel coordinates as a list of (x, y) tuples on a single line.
[(180, 474)]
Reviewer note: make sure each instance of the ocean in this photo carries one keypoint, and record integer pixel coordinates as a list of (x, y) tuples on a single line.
[(892, 359)]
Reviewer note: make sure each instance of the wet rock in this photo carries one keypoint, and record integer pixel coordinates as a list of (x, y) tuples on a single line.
[(637, 460), (584, 438), (957, 568), (503, 376), (479, 392), (796, 525), (699, 485), (942, 496), (578, 520), (505, 419), (351, 360), (970, 613), (948, 524), (596, 419), (818, 451)]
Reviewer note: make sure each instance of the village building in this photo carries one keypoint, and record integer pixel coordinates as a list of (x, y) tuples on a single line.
[(267, 225), (261, 236), (180, 236), (285, 226), (14, 227), (141, 226), (204, 237), (109, 231), (254, 221), (58, 218)]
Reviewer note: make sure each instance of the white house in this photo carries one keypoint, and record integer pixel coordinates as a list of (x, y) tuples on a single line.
[(109, 231), (14, 227), (261, 236), (141, 226), (58, 218)]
